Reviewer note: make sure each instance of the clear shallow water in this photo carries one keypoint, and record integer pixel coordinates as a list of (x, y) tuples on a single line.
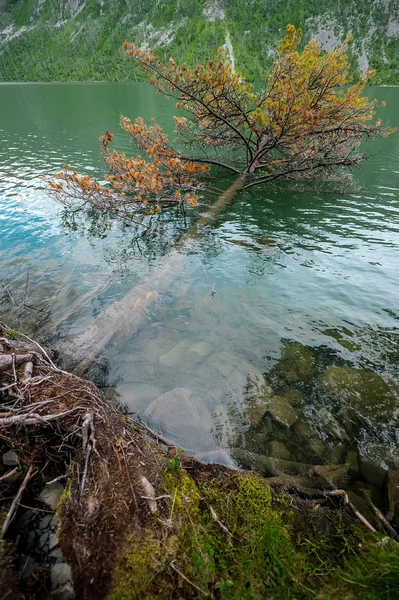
[(321, 270)]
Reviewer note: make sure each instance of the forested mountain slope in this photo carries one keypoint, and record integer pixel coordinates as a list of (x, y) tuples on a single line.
[(61, 40)]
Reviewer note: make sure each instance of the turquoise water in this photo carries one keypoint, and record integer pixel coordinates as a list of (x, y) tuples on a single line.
[(277, 268)]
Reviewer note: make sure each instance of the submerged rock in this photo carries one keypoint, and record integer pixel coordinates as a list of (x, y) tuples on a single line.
[(296, 363), (277, 449), (365, 393), (379, 459), (185, 415), (257, 406), (175, 355), (330, 426), (282, 411)]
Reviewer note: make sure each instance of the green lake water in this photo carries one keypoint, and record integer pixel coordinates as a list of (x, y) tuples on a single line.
[(297, 289)]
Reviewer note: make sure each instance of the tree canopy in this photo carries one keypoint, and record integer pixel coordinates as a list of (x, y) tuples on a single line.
[(305, 123)]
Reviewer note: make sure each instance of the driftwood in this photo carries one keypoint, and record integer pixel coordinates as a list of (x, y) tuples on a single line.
[(122, 319)]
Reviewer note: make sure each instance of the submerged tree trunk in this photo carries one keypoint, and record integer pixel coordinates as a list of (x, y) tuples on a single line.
[(119, 321)]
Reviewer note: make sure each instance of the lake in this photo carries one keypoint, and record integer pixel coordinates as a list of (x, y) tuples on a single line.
[(278, 335)]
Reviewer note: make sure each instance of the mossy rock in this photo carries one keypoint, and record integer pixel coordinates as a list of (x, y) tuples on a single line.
[(296, 363), (366, 394)]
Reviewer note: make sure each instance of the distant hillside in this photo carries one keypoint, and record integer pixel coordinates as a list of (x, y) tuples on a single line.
[(61, 40)]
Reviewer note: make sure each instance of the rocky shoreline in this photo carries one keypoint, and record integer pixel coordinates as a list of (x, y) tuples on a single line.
[(95, 505)]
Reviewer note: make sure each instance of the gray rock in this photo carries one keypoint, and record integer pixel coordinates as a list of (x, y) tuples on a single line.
[(60, 575), (282, 411), (45, 522), (379, 459), (66, 592), (51, 494), (336, 456), (25, 519), (52, 541), (372, 472), (43, 539), (352, 460), (304, 430), (54, 523), (10, 459), (56, 553), (277, 449), (183, 415)]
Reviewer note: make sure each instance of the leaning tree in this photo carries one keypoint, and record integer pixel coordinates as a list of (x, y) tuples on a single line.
[(306, 123)]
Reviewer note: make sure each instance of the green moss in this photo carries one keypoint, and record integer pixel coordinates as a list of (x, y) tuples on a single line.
[(235, 540)]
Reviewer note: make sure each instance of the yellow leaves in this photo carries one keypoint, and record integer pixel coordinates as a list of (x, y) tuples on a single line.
[(292, 38)]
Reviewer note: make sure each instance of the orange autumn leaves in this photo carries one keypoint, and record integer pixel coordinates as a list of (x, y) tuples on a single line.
[(160, 176)]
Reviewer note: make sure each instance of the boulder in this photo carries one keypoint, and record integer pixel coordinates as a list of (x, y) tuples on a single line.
[(379, 459), (316, 447), (201, 348), (304, 430)]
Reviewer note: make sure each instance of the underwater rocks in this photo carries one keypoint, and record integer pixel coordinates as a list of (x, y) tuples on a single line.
[(296, 363), (366, 394), (183, 415)]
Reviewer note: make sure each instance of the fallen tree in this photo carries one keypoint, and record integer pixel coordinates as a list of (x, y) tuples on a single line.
[(305, 124), (138, 519)]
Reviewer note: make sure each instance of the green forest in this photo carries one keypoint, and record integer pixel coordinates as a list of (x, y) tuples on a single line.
[(80, 40)]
